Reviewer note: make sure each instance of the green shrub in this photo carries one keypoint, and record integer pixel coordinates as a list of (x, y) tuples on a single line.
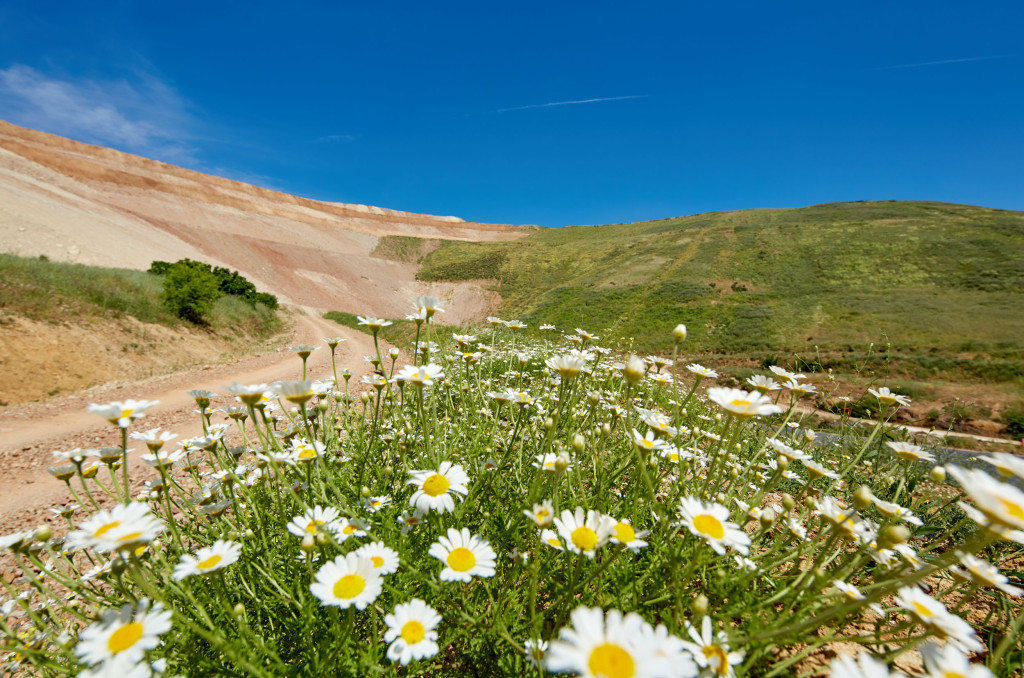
[(190, 292)]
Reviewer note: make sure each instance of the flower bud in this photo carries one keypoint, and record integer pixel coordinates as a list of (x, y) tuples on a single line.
[(700, 605), (562, 461), (679, 333), (634, 370), (893, 535), (393, 353), (364, 492), (788, 502), (239, 610), (782, 462), (606, 428), (862, 497), (578, 443), (389, 471), (364, 397), (249, 534), (767, 518), (549, 423), (43, 532), (307, 544), (321, 538), (938, 474)]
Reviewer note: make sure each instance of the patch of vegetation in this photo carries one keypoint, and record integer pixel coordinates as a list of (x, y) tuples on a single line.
[(39, 289), (403, 248), (833, 278), (227, 281), (399, 330)]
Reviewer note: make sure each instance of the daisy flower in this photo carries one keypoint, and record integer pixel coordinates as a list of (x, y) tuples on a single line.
[(742, 403), (763, 384), (422, 375), (434, 489), (623, 533), (546, 462), (542, 514), (934, 615), (464, 556), (304, 451), (151, 438), (125, 634), (316, 520), (711, 651), (948, 661), (346, 581), (375, 325), (122, 527), (784, 374), (893, 510), (910, 452), (599, 646), (535, 651), (249, 394), (163, 458), (374, 504), (333, 342), (350, 528), (701, 371), (1000, 502), (710, 521), (549, 537), (585, 533), (816, 470), (209, 559), (864, 666), (122, 414), (568, 367), (385, 560), (412, 631), (983, 573), (648, 442), (1008, 465), (408, 520), (297, 392), (887, 397), (428, 305)]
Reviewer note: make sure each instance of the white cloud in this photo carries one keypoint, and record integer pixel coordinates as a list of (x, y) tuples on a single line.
[(144, 116), (336, 138), (567, 103), (946, 61)]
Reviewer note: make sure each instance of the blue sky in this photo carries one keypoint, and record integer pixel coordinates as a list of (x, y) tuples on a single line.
[(541, 112)]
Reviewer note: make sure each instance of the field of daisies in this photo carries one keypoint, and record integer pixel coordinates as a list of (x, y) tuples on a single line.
[(518, 503)]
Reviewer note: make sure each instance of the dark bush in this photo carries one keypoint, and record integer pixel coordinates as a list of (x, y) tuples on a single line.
[(190, 292)]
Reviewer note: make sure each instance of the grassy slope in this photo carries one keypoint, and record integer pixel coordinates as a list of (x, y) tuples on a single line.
[(942, 282), (39, 289)]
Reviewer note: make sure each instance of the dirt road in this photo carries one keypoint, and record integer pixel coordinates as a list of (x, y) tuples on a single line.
[(30, 433)]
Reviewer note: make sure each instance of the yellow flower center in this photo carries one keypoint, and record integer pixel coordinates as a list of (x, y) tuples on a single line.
[(349, 529), (715, 652), (624, 532), (554, 541), (210, 562), (709, 525), (435, 485), (377, 561), (106, 528), (125, 637), (1014, 509), (461, 559), (543, 515), (349, 586), (953, 674), (585, 539), (413, 632), (922, 611), (128, 538), (313, 525), (307, 453), (740, 404), (611, 661)]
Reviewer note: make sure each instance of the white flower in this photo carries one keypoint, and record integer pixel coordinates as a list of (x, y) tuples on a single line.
[(743, 403), (208, 559), (412, 631), (887, 397), (864, 666), (346, 581), (374, 324), (784, 374), (763, 384), (1000, 502), (1007, 464), (428, 305), (623, 533), (910, 452), (568, 367), (549, 537), (125, 634), (542, 514), (710, 521), (937, 618), (435, 488), (316, 520), (546, 462), (123, 527), (153, 441), (599, 646), (585, 533), (535, 650), (701, 371), (711, 651), (423, 375), (374, 504), (385, 560), (892, 510), (464, 556), (983, 573), (122, 414), (648, 442), (949, 662), (303, 450)]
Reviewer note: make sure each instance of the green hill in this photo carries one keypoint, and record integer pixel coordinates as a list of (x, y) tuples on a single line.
[(942, 282)]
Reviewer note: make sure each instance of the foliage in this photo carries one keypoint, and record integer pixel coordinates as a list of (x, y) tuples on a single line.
[(835, 277), (706, 505), (190, 292), (228, 281)]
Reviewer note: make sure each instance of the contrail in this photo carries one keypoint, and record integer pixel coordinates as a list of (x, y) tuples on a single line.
[(567, 103), (946, 61)]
